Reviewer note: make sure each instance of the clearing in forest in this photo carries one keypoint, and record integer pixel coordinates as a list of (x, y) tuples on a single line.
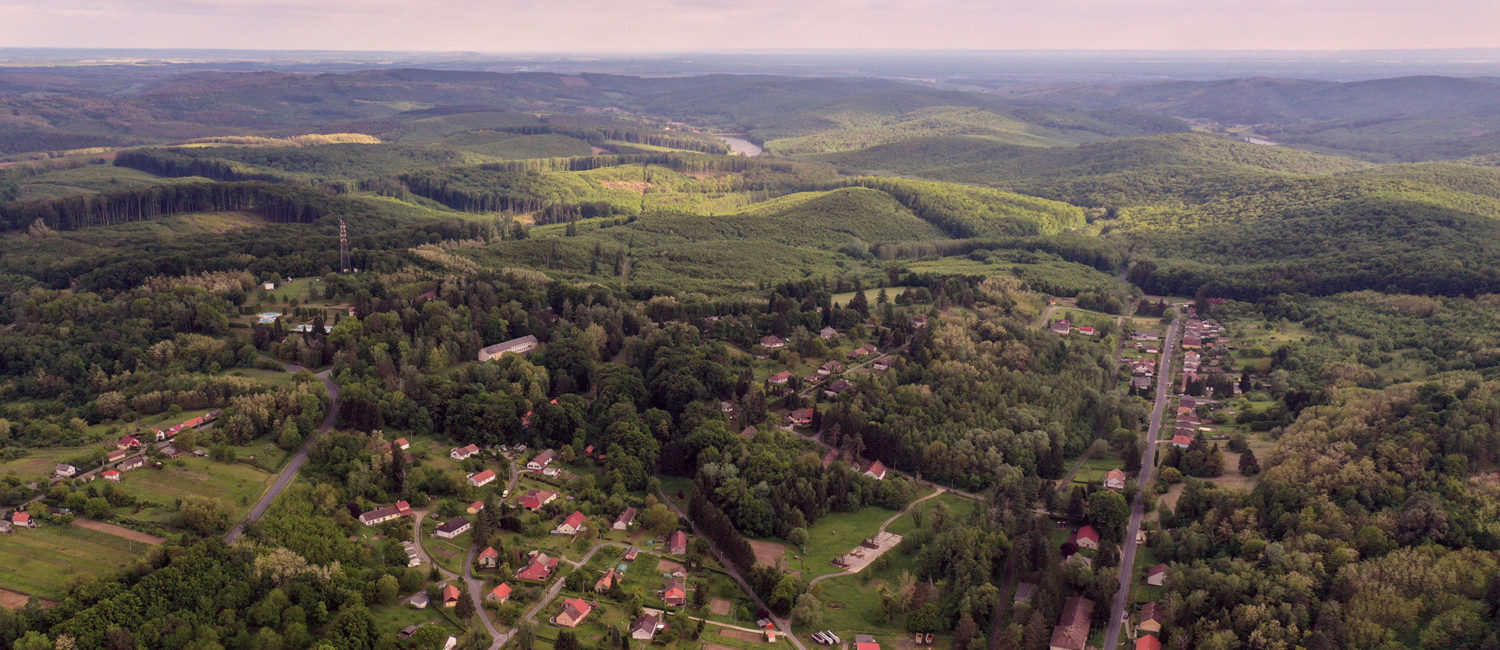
[(119, 531)]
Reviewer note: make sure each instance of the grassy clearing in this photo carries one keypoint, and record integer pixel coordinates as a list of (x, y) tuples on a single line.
[(834, 535), (236, 484), (44, 561), (90, 179)]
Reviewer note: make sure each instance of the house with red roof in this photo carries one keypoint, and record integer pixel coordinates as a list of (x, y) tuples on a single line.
[(111, 475), (1086, 537), (572, 525), (1087, 331), (1148, 642), (1182, 440), (1156, 576), (606, 581), (475, 507), (403, 443), (535, 499), (22, 519), (772, 342), (481, 479), (451, 595), (489, 557), (573, 613), (462, 453), (1115, 479), (677, 543), (541, 461), (499, 594), (128, 442), (876, 470), (780, 378), (675, 594), (800, 417), (539, 568)]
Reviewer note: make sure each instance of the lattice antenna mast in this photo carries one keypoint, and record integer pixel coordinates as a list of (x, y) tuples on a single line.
[(344, 247)]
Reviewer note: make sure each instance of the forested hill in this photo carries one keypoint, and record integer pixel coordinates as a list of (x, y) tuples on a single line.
[(1397, 119)]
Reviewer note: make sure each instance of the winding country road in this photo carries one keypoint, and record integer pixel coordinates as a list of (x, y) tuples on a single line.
[(289, 472), (1137, 512)]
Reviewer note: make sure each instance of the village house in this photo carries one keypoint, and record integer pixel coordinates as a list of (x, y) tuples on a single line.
[(865, 642), (1140, 383), (863, 351), (128, 442), (876, 470), (919, 322), (1079, 559), (535, 499), (800, 417), (831, 367), (772, 342), (644, 627), (475, 507), (881, 365), (1072, 631), (22, 519), (674, 594), (464, 452), (541, 461), (111, 475), (488, 558), (1182, 441), (116, 455), (1156, 576), (1115, 479), (171, 451), (403, 443), (607, 581), (573, 613), (749, 432), (780, 378), (451, 595), (499, 594), (6, 527), (837, 387), (625, 520), (133, 463), (1063, 326), (64, 470), (828, 333), (1087, 331), (481, 479), (1086, 537), (387, 513), (572, 525), (452, 528), (522, 346), (538, 568), (418, 600), (1151, 618), (1148, 642), (677, 543)]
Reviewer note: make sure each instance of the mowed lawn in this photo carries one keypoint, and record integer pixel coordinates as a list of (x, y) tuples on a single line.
[(39, 463), (236, 484), (44, 561), (836, 534)]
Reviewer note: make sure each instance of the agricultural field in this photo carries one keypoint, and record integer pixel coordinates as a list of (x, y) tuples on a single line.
[(45, 561), (236, 484)]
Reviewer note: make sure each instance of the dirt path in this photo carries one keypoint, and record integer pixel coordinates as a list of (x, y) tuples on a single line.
[(16, 600), (118, 531)]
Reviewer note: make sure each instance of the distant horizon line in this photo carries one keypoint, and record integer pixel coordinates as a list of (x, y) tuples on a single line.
[(796, 50)]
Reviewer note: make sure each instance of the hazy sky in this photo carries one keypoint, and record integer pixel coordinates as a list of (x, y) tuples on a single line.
[(679, 25)]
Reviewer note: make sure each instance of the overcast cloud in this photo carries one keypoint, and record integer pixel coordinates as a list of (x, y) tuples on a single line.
[(684, 25)]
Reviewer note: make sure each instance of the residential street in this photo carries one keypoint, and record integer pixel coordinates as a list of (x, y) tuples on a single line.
[(1144, 480)]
